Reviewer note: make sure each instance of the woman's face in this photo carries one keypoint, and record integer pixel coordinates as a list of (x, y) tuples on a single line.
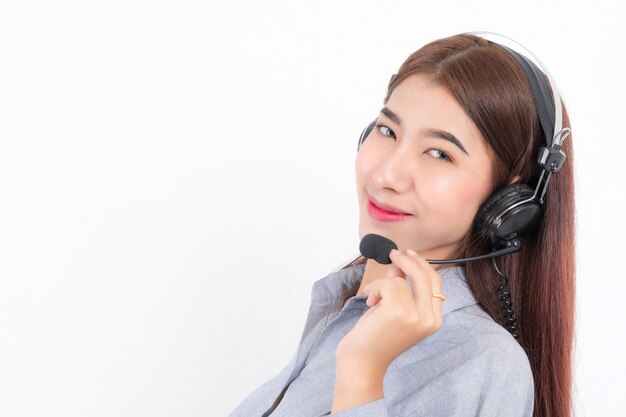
[(405, 165)]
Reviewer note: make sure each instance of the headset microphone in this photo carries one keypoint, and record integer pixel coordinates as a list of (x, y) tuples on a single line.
[(377, 247)]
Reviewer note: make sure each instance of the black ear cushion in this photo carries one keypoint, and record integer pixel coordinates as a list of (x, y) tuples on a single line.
[(498, 201), (366, 133)]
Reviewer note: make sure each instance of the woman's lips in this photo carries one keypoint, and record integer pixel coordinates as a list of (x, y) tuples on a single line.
[(384, 215)]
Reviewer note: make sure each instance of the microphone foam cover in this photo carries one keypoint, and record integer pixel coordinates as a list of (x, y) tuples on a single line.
[(377, 247)]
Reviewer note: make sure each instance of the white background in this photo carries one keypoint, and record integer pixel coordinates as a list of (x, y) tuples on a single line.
[(175, 175)]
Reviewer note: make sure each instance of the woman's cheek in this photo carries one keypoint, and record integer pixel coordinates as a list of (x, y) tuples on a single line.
[(440, 185), (450, 195), (365, 162)]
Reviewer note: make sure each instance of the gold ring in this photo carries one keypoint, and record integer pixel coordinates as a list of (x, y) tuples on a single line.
[(440, 296)]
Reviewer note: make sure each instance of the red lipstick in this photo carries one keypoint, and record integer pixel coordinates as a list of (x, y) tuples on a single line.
[(384, 214)]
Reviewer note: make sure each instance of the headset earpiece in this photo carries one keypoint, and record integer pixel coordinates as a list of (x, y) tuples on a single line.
[(366, 132), (508, 213)]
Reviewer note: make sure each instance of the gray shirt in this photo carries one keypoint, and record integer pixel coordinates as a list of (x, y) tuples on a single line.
[(471, 366)]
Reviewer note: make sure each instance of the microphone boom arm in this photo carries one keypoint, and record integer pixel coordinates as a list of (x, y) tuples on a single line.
[(512, 245)]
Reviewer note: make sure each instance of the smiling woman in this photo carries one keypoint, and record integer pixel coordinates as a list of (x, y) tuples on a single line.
[(431, 177), (453, 152)]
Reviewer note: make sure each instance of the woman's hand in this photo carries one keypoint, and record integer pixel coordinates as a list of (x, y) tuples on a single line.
[(398, 317)]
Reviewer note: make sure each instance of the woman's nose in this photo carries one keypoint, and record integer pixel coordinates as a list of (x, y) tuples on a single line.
[(395, 170)]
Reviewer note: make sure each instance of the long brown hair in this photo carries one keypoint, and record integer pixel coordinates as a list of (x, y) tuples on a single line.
[(494, 92)]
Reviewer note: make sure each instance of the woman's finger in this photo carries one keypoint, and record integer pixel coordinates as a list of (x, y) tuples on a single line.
[(437, 302), (417, 271), (394, 271), (436, 286), (383, 288)]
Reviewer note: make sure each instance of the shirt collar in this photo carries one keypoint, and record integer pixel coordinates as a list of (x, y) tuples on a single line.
[(343, 283)]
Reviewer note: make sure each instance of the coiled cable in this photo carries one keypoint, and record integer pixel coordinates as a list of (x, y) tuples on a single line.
[(505, 299)]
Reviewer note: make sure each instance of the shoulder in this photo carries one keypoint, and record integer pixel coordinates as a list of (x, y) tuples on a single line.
[(502, 359), (490, 370), (470, 366)]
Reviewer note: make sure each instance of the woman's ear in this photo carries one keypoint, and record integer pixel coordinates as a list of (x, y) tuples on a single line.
[(515, 179)]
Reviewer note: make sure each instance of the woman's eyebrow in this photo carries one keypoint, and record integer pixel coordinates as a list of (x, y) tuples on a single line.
[(434, 133)]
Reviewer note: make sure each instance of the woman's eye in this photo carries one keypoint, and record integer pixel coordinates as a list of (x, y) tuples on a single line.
[(439, 154), (385, 130)]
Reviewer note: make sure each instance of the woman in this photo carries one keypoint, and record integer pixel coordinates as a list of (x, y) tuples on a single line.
[(413, 338)]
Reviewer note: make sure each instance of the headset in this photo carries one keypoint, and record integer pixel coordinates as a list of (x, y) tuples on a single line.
[(515, 211)]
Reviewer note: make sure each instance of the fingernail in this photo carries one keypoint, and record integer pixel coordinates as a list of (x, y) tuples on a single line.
[(394, 252), (411, 252)]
